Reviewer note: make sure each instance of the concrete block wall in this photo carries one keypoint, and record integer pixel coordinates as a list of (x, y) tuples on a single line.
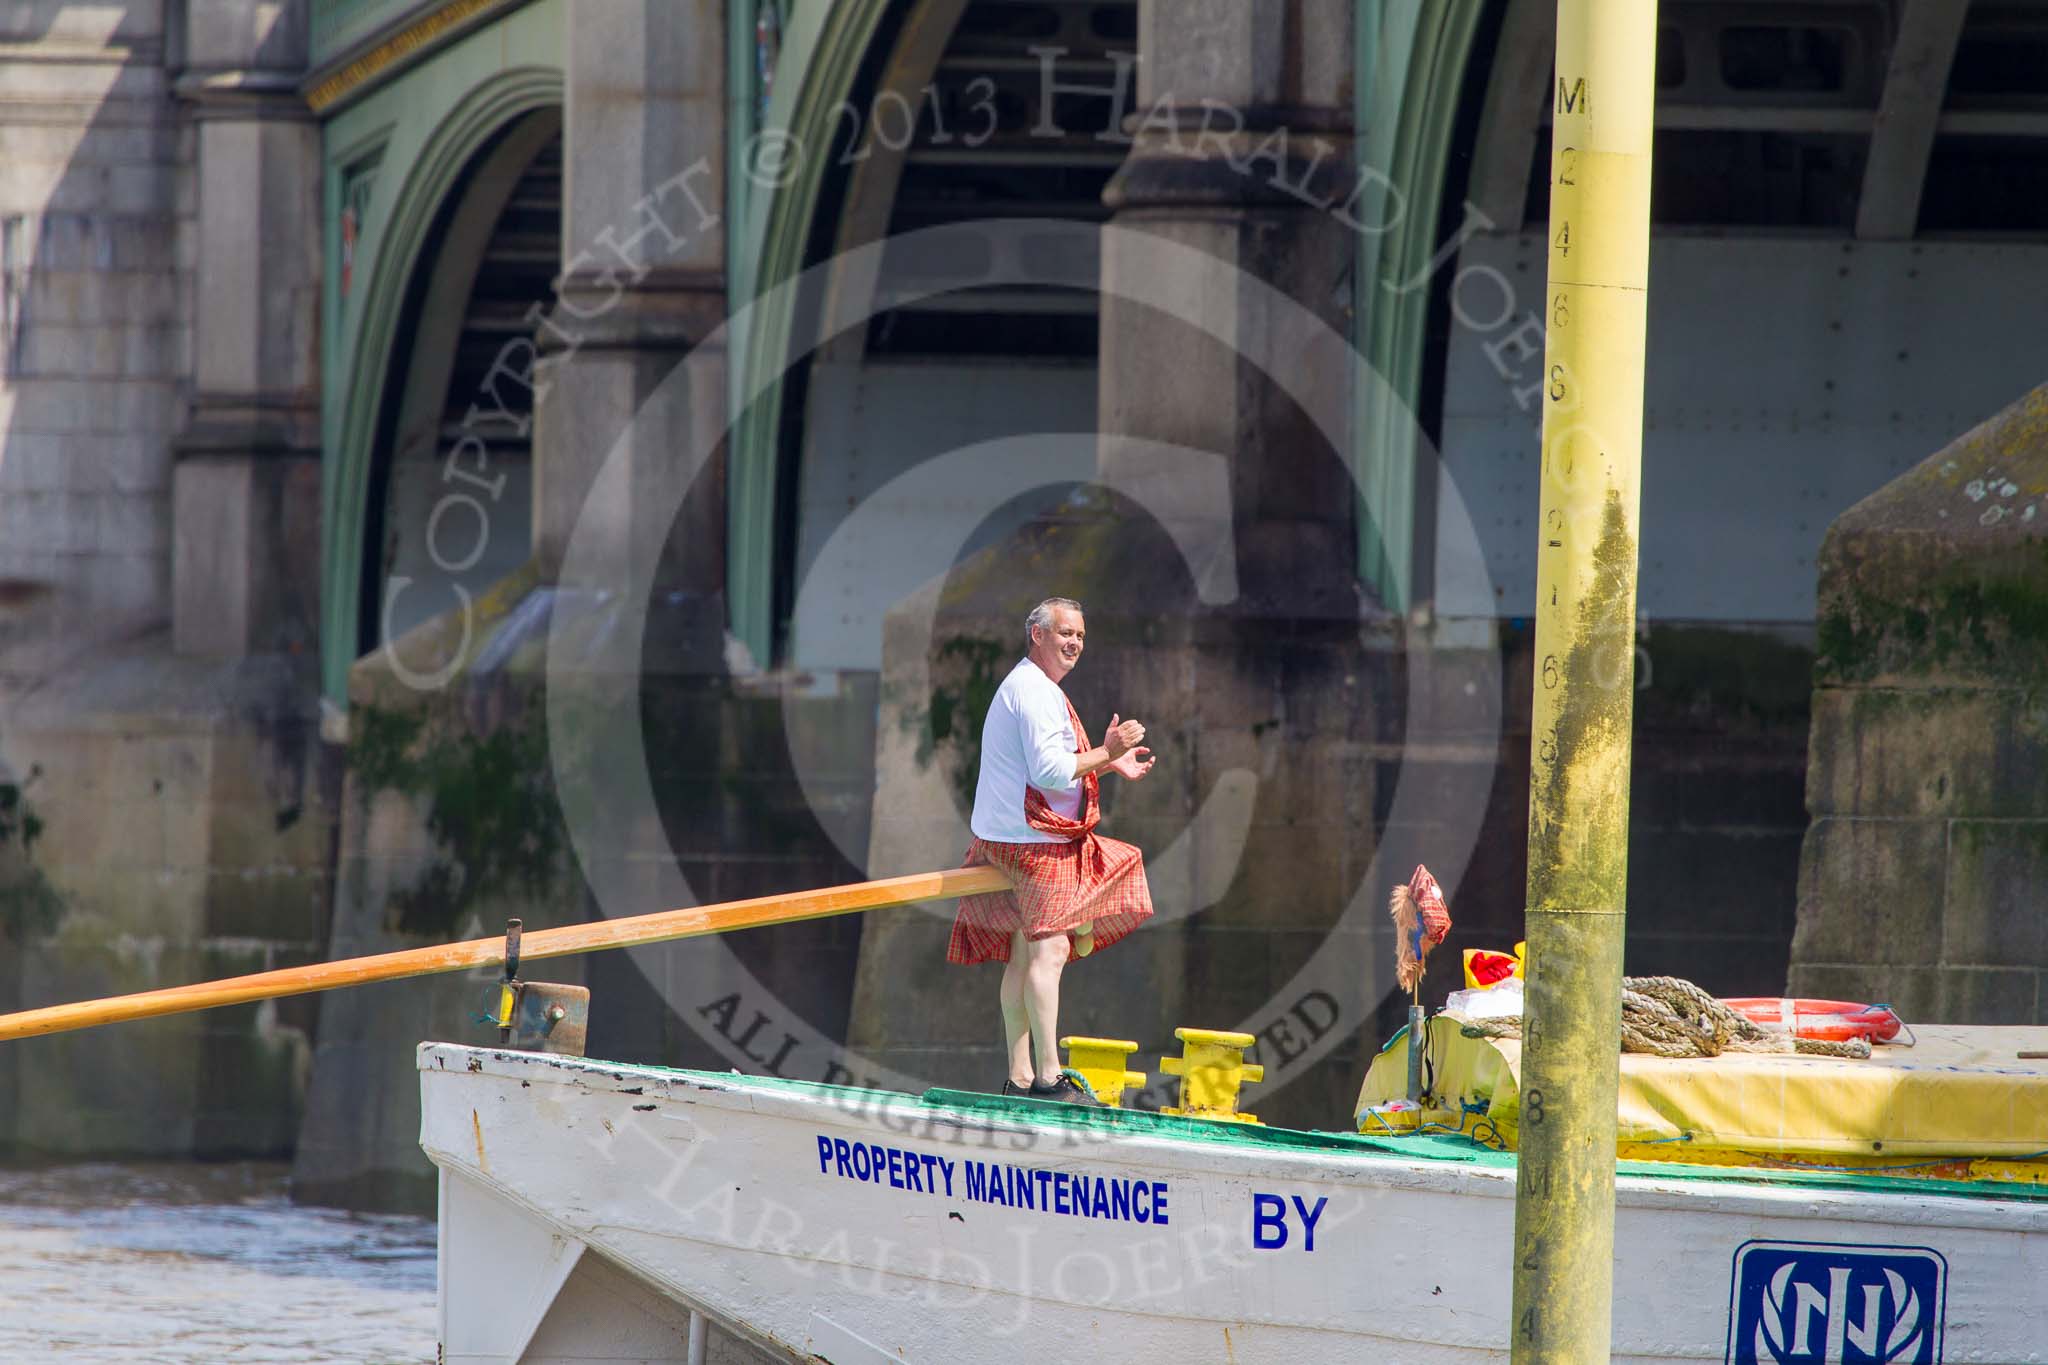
[(1920, 879)]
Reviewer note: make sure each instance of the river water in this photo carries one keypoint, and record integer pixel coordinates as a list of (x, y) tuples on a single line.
[(184, 1264)]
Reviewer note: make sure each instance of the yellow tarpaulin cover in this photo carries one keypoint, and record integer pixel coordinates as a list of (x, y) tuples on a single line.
[(1962, 1092)]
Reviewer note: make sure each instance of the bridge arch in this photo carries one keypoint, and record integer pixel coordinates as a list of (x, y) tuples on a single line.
[(456, 161)]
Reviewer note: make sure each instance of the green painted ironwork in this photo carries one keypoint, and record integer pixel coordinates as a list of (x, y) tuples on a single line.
[(823, 50), (331, 24), (1416, 55), (423, 129), (1412, 59)]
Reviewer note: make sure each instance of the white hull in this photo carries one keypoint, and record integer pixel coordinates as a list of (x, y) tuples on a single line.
[(727, 1195)]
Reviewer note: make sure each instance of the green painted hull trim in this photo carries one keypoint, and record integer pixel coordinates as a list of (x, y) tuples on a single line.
[(1439, 1147)]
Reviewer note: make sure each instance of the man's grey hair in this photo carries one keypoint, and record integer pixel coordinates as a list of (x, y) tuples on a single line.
[(1041, 615)]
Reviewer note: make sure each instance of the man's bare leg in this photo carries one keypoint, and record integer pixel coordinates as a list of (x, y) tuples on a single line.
[(1016, 1023), (1044, 960)]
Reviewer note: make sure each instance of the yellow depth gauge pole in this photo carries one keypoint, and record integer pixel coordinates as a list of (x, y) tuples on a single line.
[(1584, 678)]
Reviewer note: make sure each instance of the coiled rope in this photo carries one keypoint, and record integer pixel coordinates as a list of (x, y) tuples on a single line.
[(1669, 1016)]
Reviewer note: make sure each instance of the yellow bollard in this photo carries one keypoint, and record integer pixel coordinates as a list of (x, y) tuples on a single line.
[(1101, 1063), (1211, 1068)]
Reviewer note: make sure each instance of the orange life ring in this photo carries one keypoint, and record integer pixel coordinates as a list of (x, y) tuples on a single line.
[(1835, 1021)]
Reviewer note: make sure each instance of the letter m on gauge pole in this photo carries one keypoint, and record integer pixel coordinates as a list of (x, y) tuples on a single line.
[(1573, 99)]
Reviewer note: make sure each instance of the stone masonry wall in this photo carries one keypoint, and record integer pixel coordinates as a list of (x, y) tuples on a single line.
[(1715, 813), (163, 818), (175, 845), (1928, 780), (96, 221)]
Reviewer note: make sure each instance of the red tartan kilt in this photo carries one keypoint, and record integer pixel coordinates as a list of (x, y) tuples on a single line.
[(1058, 888)]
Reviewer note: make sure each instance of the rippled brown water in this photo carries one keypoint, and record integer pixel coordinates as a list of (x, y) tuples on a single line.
[(184, 1264)]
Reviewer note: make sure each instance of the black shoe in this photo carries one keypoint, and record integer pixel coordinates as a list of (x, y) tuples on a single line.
[(1010, 1087), (1065, 1090)]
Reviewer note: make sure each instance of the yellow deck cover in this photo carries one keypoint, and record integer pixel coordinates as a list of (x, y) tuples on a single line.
[(1962, 1092)]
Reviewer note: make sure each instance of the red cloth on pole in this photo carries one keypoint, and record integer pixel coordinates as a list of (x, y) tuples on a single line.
[(1429, 898), (1057, 887), (1421, 920)]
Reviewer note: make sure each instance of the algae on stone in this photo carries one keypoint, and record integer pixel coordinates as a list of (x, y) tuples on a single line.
[(488, 804), (1927, 781), (30, 908)]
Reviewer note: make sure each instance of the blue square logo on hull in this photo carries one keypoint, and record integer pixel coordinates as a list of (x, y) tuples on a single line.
[(1810, 1303)]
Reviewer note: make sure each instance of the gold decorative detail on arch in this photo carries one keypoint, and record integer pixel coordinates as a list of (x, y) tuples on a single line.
[(406, 44)]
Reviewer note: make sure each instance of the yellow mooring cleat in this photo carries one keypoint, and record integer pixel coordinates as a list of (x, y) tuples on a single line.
[(1211, 1068), (1101, 1062)]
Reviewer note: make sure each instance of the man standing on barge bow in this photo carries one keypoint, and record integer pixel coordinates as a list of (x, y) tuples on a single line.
[(1036, 805)]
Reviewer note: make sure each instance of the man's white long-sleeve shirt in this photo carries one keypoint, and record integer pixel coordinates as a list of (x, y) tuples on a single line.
[(1027, 740)]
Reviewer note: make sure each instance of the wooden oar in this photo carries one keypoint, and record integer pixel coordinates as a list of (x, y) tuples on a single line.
[(490, 952)]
